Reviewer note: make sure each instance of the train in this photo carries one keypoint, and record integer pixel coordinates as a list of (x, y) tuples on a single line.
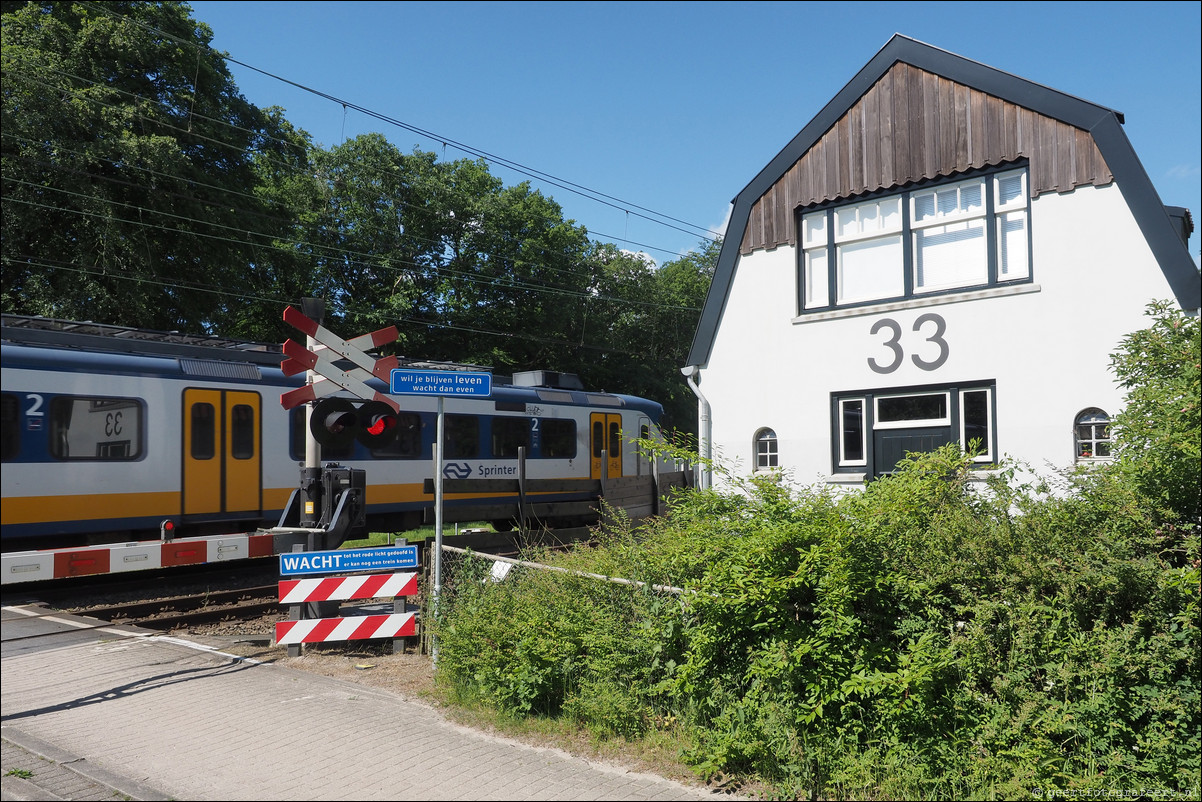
[(110, 434)]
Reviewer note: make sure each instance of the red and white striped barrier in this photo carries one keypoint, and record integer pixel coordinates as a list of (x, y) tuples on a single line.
[(327, 630), (45, 564), (343, 588)]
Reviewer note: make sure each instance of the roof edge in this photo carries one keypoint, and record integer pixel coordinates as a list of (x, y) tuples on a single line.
[(1104, 124)]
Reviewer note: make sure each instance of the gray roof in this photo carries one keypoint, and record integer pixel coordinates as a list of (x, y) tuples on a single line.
[(1105, 125)]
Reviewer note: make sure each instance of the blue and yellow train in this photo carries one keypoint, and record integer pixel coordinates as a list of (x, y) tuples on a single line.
[(108, 432)]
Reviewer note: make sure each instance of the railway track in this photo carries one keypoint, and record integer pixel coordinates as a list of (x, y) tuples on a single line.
[(242, 604)]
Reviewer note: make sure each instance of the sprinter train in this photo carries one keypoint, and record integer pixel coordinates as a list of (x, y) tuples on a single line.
[(110, 432)]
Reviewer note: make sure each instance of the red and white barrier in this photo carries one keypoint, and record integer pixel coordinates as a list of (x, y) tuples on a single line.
[(327, 630), (339, 588), (34, 566)]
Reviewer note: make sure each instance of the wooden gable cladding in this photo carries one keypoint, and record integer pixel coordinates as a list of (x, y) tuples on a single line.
[(913, 125)]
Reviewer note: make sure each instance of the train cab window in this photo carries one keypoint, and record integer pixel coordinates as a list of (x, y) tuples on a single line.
[(242, 431), (10, 427), (408, 441), (558, 438), (463, 437), (204, 431), (508, 435), (95, 428)]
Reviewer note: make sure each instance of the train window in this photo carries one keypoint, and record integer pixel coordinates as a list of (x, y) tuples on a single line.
[(408, 441), (463, 437), (10, 427), (508, 435), (242, 431), (297, 436), (204, 431), (598, 439), (558, 438), (95, 428), (615, 439)]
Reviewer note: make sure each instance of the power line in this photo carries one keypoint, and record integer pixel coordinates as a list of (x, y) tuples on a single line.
[(583, 191)]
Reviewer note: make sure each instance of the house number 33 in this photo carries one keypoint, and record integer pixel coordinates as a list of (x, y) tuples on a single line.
[(935, 335)]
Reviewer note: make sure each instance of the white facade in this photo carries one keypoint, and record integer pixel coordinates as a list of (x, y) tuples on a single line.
[(843, 384)]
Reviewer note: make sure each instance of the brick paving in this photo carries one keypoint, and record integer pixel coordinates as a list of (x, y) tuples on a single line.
[(151, 718)]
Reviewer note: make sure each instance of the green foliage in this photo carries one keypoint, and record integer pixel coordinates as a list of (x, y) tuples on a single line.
[(142, 189), (128, 174), (937, 635), (1157, 431)]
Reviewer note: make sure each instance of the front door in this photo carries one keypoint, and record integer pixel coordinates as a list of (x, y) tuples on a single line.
[(605, 436), (222, 453), (890, 446)]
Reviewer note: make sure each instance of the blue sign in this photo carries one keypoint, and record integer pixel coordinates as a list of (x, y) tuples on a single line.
[(440, 382), (385, 558)]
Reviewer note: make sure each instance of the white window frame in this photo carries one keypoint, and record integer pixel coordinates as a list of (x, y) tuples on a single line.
[(914, 423), (1000, 243), (1079, 421), (865, 434), (771, 454)]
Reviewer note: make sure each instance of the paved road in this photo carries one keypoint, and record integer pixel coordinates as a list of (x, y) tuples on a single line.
[(90, 711)]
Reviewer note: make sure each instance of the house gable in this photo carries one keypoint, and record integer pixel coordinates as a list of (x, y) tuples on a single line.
[(913, 125), (916, 112)]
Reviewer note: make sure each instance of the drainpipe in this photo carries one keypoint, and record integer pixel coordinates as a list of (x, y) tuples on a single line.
[(692, 374)]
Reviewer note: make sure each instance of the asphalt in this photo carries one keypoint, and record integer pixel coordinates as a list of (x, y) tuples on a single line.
[(105, 712)]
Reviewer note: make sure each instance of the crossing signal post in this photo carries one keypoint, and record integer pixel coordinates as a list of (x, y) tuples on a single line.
[(336, 421)]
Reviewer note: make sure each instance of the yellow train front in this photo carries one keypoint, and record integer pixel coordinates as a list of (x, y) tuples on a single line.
[(109, 433)]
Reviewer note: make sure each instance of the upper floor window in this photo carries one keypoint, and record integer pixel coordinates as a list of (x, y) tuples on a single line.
[(1091, 433), (765, 450), (934, 239)]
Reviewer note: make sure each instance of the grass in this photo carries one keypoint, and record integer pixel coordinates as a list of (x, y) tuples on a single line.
[(413, 536)]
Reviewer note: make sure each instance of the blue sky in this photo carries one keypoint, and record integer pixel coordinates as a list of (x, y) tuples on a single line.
[(670, 109)]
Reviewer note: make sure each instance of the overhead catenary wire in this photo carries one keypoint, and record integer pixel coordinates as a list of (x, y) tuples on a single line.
[(167, 125), (247, 235), (597, 196)]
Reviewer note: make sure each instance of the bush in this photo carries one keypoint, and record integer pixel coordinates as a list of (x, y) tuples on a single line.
[(934, 636)]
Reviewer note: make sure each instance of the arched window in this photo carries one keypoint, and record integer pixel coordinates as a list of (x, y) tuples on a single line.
[(1091, 433), (765, 450)]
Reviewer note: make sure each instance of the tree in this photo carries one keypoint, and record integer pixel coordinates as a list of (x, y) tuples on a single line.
[(128, 168), (1158, 431)]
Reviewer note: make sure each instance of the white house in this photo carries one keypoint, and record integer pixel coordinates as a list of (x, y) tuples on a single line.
[(947, 252)]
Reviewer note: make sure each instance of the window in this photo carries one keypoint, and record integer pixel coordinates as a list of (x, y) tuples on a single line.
[(765, 450), (463, 437), (1091, 434), (95, 428), (934, 239), (204, 431), (508, 435), (10, 434), (558, 438), (872, 431), (242, 431)]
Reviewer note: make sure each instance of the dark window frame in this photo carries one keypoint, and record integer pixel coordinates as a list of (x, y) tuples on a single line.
[(842, 411)]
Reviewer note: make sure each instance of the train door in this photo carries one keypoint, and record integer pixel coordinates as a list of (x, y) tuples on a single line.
[(645, 462), (222, 454), (605, 434)]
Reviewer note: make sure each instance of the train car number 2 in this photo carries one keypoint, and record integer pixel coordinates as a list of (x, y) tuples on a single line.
[(898, 353)]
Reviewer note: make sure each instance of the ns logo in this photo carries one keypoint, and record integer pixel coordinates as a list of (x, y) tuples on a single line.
[(457, 470)]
